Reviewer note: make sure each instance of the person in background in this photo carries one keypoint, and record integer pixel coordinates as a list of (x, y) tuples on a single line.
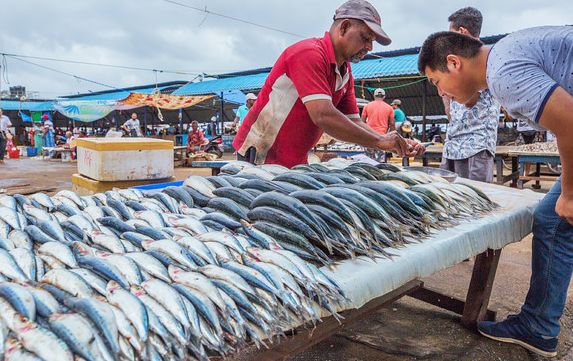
[(399, 115), (49, 137), (378, 114), (243, 110), (469, 149), (526, 132), (132, 126), (380, 117), (4, 125), (39, 138), (196, 139), (405, 130)]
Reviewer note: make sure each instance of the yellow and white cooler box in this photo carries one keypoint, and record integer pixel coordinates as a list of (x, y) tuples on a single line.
[(125, 159)]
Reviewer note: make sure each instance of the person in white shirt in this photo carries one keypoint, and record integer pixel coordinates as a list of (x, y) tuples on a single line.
[(132, 126), (4, 125)]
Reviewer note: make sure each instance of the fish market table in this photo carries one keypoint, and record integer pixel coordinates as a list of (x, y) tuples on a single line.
[(215, 165), (526, 159), (502, 155), (371, 284)]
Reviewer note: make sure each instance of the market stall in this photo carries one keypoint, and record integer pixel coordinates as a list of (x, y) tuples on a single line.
[(223, 264)]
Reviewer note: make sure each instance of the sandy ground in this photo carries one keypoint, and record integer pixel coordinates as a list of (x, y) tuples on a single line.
[(408, 329)]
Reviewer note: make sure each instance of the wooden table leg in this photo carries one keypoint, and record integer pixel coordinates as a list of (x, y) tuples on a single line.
[(499, 170), (479, 291), (514, 171), (307, 337)]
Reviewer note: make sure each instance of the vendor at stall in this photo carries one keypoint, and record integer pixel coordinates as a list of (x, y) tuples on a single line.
[(49, 137), (196, 139), (310, 89), (530, 73)]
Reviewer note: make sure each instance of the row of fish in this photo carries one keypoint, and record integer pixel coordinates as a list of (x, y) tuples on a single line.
[(324, 212), (123, 275)]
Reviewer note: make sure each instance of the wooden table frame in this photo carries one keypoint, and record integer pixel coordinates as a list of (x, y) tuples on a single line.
[(501, 155), (537, 159), (472, 310)]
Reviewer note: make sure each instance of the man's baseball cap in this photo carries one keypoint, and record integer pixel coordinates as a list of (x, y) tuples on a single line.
[(363, 10), (396, 102), (379, 92), (251, 96)]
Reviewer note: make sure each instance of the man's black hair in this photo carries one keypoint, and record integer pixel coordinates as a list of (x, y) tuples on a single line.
[(469, 18), (439, 45)]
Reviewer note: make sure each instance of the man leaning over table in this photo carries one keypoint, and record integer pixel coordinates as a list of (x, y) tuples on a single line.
[(530, 73)]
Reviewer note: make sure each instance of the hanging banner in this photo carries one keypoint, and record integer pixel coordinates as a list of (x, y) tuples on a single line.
[(85, 110), (163, 101), (25, 117)]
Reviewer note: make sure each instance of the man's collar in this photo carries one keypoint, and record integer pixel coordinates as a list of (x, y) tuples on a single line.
[(327, 42)]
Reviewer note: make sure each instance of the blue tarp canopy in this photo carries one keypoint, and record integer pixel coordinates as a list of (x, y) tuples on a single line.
[(27, 105)]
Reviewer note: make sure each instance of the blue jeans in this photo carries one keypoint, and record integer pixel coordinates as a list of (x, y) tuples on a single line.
[(552, 266)]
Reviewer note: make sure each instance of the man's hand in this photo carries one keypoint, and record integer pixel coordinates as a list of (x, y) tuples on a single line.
[(394, 142), (417, 147), (564, 208)]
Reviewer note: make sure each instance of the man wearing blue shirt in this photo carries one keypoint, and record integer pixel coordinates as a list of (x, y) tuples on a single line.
[(530, 73), (243, 110), (399, 115)]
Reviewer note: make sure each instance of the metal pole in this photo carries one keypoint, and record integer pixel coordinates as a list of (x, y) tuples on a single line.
[(221, 119), (424, 110), (145, 120)]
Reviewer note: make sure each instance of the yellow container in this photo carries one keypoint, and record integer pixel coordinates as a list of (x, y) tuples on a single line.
[(85, 186), (125, 159)]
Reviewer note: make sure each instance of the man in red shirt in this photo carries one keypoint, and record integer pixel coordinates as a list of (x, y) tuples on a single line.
[(196, 139), (311, 89), (378, 114)]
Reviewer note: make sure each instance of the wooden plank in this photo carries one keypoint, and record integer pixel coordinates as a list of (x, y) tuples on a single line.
[(479, 291), (446, 302), (305, 338)]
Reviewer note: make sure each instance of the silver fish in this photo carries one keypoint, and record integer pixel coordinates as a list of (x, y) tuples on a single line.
[(69, 282), (41, 341), (131, 306)]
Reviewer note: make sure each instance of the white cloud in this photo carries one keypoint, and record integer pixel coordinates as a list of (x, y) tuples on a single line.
[(157, 34)]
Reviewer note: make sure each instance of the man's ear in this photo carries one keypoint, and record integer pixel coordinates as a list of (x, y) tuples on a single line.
[(453, 62), (344, 26), (463, 30)]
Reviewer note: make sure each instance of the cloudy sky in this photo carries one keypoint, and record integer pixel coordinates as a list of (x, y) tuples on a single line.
[(160, 35)]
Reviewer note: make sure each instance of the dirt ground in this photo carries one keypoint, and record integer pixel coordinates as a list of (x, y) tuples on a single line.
[(408, 329)]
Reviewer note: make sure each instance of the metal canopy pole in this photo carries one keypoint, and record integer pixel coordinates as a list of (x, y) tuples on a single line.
[(221, 118)]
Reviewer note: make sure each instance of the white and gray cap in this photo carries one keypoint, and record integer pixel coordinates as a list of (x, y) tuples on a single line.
[(363, 10)]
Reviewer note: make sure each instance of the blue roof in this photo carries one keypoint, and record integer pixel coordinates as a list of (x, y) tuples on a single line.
[(27, 105), (246, 82), (114, 95), (366, 69), (386, 67)]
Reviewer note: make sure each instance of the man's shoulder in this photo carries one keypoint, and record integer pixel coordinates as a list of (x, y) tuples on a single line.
[(308, 47)]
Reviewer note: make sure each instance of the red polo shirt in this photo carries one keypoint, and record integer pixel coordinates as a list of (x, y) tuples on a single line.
[(278, 124)]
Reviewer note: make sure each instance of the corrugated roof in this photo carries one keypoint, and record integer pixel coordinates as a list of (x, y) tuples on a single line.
[(366, 69), (245, 82), (386, 67)]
